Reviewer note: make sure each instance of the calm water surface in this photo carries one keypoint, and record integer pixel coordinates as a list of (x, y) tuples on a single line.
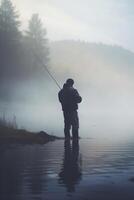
[(92, 169)]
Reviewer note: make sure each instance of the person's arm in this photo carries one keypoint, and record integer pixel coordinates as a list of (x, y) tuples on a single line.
[(59, 97), (77, 97)]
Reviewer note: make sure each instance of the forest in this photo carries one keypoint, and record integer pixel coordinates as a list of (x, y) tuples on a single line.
[(20, 49)]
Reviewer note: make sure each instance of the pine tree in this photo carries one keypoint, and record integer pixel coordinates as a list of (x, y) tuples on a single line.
[(10, 36), (37, 42), (9, 23)]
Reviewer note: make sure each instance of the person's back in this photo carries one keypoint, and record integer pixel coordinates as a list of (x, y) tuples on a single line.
[(69, 99)]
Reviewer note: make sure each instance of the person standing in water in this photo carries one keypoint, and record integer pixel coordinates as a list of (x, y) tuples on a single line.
[(69, 99)]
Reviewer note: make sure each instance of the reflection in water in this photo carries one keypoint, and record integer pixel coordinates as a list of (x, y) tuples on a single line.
[(10, 174), (70, 173), (38, 172), (36, 180), (21, 171)]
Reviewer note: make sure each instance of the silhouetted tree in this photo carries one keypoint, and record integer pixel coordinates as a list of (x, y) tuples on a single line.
[(10, 38), (18, 50), (37, 43)]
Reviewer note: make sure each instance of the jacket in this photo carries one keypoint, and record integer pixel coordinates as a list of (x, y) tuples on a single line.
[(69, 99)]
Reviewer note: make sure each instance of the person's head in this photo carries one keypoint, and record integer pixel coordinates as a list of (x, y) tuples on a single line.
[(70, 82)]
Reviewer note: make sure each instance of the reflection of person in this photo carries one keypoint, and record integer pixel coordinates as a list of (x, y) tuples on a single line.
[(70, 173), (69, 99)]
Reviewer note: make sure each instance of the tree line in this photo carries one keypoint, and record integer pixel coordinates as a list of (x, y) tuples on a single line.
[(19, 49)]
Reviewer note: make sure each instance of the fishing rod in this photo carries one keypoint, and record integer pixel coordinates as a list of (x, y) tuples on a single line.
[(46, 69)]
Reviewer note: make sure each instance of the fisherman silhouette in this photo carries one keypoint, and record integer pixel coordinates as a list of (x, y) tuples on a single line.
[(71, 173), (69, 99)]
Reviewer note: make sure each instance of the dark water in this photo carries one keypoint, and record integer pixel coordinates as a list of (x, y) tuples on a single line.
[(92, 169)]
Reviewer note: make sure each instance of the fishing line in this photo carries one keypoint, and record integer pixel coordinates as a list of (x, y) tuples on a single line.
[(46, 69)]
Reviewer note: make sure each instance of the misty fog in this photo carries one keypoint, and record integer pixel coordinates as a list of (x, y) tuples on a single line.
[(105, 85), (103, 75)]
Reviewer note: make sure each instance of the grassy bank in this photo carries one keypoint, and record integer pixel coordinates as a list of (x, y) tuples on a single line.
[(10, 133)]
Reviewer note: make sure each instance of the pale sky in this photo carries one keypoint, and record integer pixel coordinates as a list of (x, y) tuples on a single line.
[(106, 21)]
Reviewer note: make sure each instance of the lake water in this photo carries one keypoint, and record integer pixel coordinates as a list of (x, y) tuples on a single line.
[(93, 169)]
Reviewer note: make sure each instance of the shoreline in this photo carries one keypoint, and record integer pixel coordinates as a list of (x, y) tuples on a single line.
[(9, 135)]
